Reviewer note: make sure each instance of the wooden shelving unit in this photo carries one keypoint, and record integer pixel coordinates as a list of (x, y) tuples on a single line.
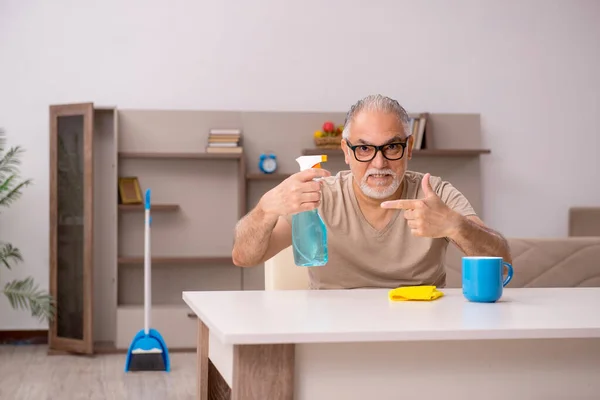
[(416, 153), (183, 156), (155, 207), (176, 260), (198, 195), (239, 157), (188, 265)]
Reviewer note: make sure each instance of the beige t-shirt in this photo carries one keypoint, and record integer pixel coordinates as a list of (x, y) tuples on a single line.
[(362, 257)]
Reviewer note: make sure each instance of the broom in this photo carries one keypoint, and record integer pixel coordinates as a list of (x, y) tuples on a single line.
[(148, 351)]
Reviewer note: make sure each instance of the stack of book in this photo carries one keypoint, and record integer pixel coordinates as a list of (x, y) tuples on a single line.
[(418, 131), (224, 141)]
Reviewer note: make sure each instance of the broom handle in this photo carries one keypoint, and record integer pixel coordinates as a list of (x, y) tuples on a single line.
[(147, 277)]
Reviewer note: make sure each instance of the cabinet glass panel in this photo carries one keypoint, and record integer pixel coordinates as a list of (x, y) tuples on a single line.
[(70, 223)]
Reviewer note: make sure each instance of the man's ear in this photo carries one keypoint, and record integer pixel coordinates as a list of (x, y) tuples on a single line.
[(409, 146), (345, 149)]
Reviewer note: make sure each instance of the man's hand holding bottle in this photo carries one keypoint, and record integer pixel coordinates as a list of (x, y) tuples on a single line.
[(298, 193)]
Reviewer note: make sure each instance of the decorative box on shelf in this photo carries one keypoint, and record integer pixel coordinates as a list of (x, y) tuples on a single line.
[(328, 142), (329, 137)]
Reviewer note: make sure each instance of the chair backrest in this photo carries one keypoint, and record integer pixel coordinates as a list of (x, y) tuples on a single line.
[(282, 274), (538, 262)]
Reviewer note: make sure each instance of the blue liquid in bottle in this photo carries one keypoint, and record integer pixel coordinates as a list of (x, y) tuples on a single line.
[(309, 239)]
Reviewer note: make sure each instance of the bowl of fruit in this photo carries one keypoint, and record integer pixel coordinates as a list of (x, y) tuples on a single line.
[(329, 136)]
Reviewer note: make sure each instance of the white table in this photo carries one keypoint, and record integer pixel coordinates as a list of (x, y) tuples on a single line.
[(356, 344)]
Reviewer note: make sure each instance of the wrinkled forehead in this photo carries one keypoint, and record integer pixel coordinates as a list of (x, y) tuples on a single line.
[(394, 139)]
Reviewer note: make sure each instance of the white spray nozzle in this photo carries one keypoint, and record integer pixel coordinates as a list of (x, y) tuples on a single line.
[(307, 162)]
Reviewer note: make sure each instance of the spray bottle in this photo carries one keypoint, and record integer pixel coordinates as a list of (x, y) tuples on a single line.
[(309, 233)]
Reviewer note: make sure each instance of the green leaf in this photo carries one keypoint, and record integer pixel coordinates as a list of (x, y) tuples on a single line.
[(25, 295), (13, 194), (9, 253), (10, 161), (21, 294)]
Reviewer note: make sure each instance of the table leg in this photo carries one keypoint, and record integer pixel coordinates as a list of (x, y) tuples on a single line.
[(263, 372), (202, 361), (218, 389)]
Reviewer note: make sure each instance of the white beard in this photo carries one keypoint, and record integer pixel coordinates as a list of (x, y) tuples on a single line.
[(380, 192)]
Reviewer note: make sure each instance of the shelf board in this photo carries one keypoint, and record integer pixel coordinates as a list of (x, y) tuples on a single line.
[(181, 156), (177, 260), (415, 153), (266, 177), (154, 207)]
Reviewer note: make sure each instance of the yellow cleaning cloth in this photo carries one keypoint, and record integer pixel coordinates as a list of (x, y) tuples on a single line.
[(420, 293)]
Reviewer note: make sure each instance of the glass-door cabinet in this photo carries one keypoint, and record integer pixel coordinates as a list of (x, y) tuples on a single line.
[(71, 226)]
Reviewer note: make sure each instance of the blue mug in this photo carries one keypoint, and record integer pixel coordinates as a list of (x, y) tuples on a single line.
[(482, 279)]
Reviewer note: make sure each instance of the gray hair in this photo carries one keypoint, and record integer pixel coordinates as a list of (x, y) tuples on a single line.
[(377, 102)]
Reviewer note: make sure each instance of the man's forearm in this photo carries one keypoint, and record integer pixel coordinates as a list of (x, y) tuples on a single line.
[(477, 240), (252, 234)]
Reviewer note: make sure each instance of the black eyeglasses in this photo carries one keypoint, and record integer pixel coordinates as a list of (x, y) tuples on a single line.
[(367, 152)]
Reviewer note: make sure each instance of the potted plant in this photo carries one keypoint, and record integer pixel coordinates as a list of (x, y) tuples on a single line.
[(22, 294)]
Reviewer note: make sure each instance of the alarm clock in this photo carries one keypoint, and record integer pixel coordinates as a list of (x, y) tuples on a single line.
[(267, 163)]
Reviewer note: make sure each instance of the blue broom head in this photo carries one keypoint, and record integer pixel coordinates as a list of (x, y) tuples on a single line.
[(148, 353)]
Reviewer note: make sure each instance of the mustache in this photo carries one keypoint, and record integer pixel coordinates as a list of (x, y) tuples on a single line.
[(375, 171)]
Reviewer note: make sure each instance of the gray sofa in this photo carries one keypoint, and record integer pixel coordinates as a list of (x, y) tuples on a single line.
[(540, 262)]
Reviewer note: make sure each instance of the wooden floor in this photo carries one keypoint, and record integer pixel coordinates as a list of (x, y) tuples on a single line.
[(27, 372)]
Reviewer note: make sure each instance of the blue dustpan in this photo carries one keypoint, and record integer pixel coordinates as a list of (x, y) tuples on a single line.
[(148, 350)]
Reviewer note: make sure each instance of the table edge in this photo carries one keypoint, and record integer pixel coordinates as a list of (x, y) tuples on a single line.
[(592, 332), (219, 334), (411, 336)]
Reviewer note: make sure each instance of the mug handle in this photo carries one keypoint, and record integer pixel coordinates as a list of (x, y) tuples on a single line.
[(509, 275)]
